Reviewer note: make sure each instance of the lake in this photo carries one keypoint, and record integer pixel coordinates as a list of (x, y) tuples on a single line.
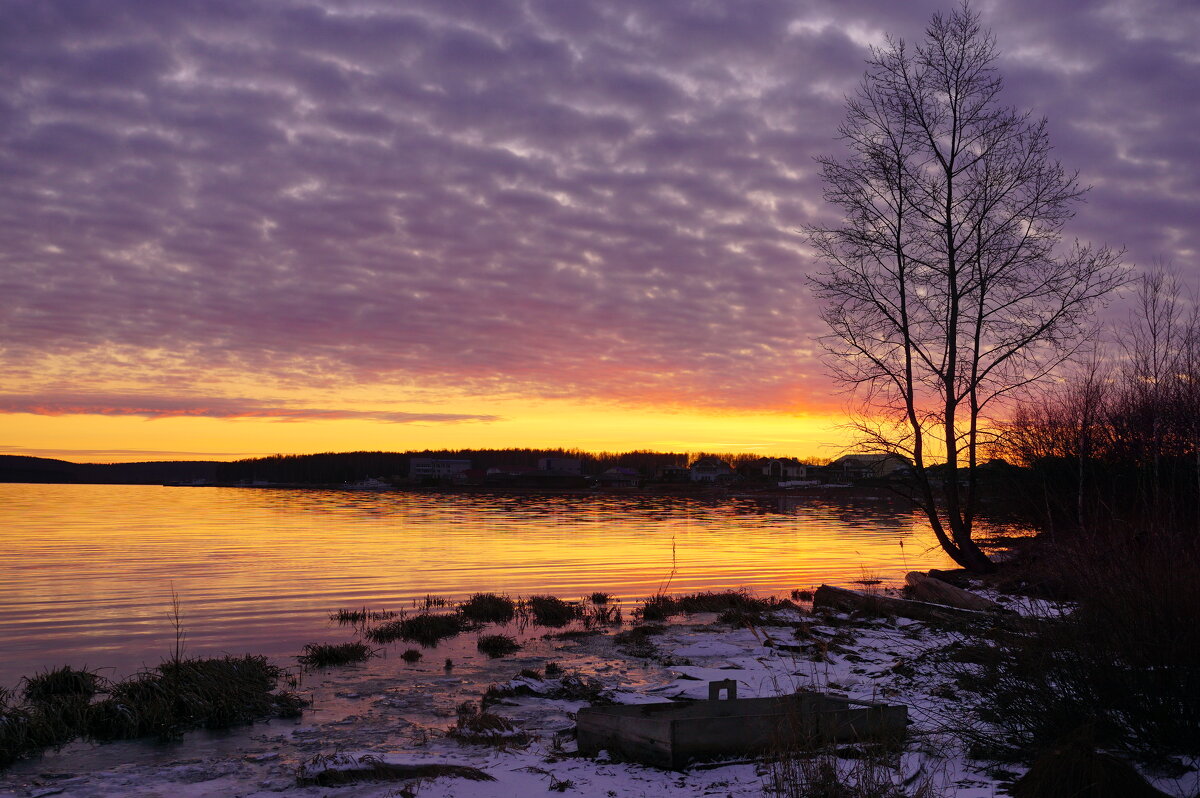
[(88, 571)]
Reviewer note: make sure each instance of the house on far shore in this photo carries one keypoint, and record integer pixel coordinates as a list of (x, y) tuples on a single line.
[(620, 477), (711, 469), (774, 469), (561, 465), (672, 473), (868, 466), (436, 468)]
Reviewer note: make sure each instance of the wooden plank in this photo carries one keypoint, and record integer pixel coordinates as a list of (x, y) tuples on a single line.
[(672, 735)]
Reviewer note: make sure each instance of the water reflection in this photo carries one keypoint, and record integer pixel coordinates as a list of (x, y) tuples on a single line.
[(90, 568)]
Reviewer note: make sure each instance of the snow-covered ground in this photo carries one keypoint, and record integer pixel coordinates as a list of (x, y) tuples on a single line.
[(397, 712)]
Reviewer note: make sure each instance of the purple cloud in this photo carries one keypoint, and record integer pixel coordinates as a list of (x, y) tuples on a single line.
[(584, 199), (219, 407)]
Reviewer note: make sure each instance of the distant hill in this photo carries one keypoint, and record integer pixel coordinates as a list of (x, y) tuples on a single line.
[(16, 468)]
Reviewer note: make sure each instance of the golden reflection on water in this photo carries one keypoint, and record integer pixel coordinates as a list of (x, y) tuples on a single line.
[(88, 570)]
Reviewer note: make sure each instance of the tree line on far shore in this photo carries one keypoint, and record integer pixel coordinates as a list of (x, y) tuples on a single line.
[(342, 467)]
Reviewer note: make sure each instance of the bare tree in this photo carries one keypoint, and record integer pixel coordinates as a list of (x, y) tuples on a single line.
[(947, 287)]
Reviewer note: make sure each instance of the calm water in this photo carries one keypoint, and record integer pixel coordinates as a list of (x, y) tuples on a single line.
[(87, 571)]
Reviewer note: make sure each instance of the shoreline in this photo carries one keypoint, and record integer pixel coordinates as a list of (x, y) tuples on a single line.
[(401, 712)]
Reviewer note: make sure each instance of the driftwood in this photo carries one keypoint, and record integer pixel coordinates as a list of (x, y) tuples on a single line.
[(371, 768), (837, 598), (935, 591)]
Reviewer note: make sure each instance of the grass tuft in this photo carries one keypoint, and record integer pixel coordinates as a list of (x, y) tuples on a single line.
[(61, 683), (327, 655), (497, 645), (360, 617), (426, 629), (480, 726), (636, 641), (661, 607), (551, 611), (488, 608), (184, 694)]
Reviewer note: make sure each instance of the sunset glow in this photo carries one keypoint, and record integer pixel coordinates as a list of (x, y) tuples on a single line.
[(90, 438), (298, 227)]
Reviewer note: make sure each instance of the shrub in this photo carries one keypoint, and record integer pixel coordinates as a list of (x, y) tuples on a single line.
[(1123, 663)]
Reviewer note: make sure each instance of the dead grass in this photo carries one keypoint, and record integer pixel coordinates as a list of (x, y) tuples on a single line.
[(858, 772), (485, 728)]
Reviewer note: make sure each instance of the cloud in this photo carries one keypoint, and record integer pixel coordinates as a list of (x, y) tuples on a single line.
[(123, 454), (226, 408), (595, 201)]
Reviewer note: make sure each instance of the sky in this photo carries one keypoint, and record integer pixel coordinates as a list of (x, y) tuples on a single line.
[(234, 228)]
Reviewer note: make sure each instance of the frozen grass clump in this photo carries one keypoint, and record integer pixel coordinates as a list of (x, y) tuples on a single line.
[(360, 617), (179, 695), (551, 611), (328, 655), (488, 608), (497, 645), (661, 607), (426, 629), (482, 727), (65, 704), (61, 683)]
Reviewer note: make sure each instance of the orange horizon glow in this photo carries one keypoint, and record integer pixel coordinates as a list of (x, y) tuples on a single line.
[(549, 424)]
